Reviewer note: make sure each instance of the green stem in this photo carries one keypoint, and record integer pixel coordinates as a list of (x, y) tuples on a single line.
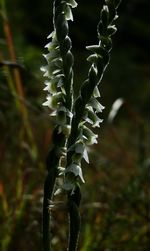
[(18, 87), (75, 221), (48, 192), (52, 165)]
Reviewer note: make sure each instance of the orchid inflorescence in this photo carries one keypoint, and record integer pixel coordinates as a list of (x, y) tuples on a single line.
[(74, 118)]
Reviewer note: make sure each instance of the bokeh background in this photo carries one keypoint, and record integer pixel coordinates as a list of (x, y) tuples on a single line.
[(115, 206)]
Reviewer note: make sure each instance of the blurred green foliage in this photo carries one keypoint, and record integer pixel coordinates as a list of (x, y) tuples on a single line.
[(116, 198)]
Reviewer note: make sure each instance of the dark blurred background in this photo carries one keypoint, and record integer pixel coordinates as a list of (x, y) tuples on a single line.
[(116, 197)]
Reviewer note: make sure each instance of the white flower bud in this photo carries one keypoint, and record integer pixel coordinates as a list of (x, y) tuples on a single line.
[(96, 105), (72, 3), (76, 170)]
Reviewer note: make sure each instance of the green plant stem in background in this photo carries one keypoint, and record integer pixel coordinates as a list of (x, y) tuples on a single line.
[(17, 88), (14, 215), (73, 116), (9, 80)]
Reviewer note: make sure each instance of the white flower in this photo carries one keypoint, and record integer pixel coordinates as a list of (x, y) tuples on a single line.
[(48, 102), (51, 35), (72, 3), (80, 152), (96, 105), (89, 137), (96, 92), (45, 70), (68, 13), (76, 170), (79, 147), (92, 118), (51, 87), (85, 155), (54, 100), (53, 54)]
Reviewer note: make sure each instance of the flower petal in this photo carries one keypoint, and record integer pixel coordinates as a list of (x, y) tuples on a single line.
[(68, 13), (96, 105), (89, 136), (72, 3), (96, 92), (85, 156), (76, 170)]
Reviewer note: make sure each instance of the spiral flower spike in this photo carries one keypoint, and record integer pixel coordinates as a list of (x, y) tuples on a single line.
[(58, 85)]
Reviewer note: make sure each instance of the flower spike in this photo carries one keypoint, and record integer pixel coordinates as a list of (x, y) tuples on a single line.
[(74, 120)]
